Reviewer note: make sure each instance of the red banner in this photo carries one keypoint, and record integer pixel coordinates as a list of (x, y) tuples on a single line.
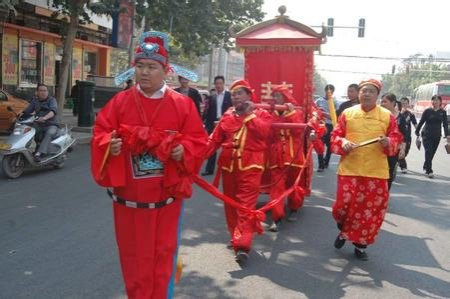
[(267, 69)]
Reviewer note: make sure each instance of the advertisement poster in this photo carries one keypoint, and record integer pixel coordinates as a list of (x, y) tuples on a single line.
[(77, 64), (123, 26), (10, 59), (49, 64)]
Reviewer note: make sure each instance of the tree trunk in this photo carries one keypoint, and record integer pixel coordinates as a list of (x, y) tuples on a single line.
[(69, 39)]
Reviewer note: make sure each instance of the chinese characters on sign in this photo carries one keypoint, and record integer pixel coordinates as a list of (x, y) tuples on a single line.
[(266, 90)]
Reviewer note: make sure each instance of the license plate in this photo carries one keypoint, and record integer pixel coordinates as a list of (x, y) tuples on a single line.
[(5, 146)]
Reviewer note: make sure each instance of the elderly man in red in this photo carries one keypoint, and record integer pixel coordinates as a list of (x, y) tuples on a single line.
[(242, 132), (364, 136), (148, 142)]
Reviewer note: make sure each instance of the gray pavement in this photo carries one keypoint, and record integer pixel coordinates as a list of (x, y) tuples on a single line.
[(57, 241)]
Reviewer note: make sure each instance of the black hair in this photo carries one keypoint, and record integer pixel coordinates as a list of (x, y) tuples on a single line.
[(404, 99), (393, 99), (436, 97), (329, 86), (354, 85), (41, 84), (390, 96), (219, 78)]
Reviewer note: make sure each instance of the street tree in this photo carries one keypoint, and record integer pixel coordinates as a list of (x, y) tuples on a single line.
[(197, 25), (74, 13), (413, 72)]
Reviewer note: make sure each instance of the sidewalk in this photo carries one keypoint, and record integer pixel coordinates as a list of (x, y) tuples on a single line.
[(82, 134)]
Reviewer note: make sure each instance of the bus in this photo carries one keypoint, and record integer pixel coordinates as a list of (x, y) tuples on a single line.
[(422, 97)]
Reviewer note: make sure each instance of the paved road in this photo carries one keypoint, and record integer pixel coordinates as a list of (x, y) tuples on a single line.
[(57, 242)]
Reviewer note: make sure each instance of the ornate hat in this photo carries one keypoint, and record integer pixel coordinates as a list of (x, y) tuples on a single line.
[(378, 85), (154, 45), (288, 97)]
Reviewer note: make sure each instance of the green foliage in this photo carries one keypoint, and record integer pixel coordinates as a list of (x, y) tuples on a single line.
[(414, 72), (9, 4), (80, 8), (196, 25)]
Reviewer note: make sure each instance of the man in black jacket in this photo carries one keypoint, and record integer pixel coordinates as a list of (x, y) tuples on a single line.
[(217, 105), (190, 92)]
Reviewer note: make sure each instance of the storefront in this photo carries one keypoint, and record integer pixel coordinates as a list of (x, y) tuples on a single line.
[(31, 56)]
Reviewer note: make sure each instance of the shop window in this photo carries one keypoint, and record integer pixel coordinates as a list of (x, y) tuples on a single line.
[(30, 63), (90, 63)]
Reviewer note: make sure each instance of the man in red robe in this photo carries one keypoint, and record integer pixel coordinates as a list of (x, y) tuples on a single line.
[(286, 156), (364, 136), (148, 142), (242, 132)]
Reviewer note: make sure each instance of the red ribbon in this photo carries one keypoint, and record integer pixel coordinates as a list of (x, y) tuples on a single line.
[(256, 216)]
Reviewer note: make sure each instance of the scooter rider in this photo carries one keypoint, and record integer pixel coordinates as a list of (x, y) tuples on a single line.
[(45, 108)]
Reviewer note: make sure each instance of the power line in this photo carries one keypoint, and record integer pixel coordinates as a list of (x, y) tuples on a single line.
[(434, 59), (387, 73)]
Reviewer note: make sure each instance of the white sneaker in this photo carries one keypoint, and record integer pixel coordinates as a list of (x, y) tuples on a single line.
[(404, 170), (431, 175)]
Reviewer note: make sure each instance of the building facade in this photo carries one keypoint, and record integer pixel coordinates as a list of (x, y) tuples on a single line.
[(31, 49)]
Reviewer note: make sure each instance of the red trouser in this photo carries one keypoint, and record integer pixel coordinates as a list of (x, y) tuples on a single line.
[(284, 179), (318, 146), (242, 186), (360, 206), (148, 241)]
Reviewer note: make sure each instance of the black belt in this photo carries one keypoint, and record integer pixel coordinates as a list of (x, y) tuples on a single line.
[(140, 205)]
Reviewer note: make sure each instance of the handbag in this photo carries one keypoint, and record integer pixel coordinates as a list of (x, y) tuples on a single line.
[(418, 142), (447, 147)]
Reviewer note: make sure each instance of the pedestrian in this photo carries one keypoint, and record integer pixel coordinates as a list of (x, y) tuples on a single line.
[(44, 107), (148, 141), (362, 192), (433, 118), (219, 102), (352, 94), (190, 92), (408, 118), (242, 132), (389, 101), (323, 104), (286, 156), (317, 122), (75, 95)]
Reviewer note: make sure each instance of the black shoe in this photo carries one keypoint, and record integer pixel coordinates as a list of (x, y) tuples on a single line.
[(361, 254), (293, 216), (206, 173), (339, 242), (320, 169), (275, 226), (241, 256)]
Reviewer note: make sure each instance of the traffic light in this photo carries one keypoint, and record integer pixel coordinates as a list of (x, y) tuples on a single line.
[(361, 27), (330, 27)]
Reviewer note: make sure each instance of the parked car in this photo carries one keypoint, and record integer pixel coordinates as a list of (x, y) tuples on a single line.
[(7, 119)]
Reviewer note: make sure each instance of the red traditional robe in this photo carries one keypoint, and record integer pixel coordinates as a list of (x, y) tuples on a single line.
[(286, 158), (362, 194), (144, 172), (243, 140)]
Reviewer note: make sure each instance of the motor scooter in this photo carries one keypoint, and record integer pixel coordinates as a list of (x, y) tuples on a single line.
[(19, 147)]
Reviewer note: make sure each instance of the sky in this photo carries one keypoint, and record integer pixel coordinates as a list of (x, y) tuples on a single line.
[(394, 28)]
